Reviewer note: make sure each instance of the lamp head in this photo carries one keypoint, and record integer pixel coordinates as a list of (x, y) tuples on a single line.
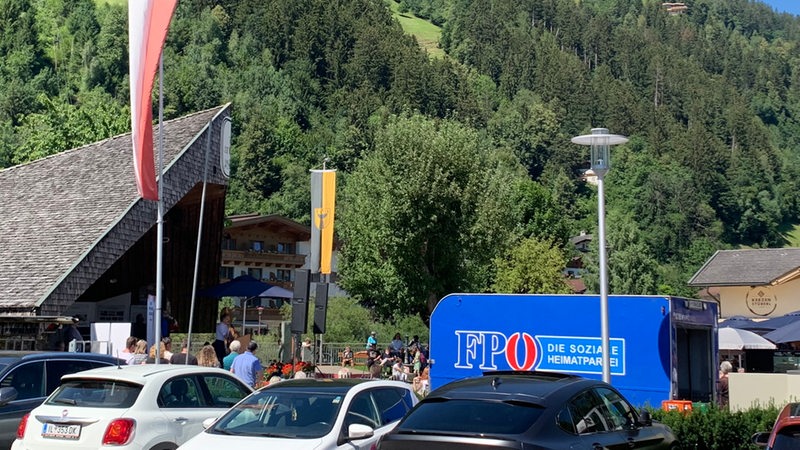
[(600, 154)]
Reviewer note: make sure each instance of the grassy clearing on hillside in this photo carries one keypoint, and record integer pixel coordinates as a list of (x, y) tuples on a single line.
[(427, 34), (792, 235)]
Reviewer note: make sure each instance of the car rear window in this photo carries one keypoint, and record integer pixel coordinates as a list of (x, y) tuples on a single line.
[(788, 438), (95, 394), (472, 417)]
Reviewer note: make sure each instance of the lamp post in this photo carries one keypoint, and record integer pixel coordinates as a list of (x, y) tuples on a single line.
[(600, 142), (260, 310)]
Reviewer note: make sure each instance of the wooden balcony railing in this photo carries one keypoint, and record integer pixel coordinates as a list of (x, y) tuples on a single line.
[(263, 258)]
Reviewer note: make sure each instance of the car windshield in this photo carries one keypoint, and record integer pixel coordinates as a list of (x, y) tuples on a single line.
[(473, 417), (788, 438), (276, 413), (95, 394)]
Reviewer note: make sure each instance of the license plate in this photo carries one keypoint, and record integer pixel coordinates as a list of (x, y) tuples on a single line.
[(56, 431)]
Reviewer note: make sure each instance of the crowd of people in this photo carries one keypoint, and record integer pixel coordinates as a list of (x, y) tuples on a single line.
[(399, 360), (405, 361)]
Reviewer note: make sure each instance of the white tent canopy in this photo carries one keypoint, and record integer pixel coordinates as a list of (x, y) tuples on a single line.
[(739, 339)]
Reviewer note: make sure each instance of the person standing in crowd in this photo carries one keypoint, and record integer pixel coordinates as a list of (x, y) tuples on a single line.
[(372, 341), (227, 362), (414, 342), (222, 335), (151, 358), (422, 383), (129, 350), (71, 333), (167, 348), (207, 357), (397, 345), (183, 356), (724, 369), (247, 366), (139, 353)]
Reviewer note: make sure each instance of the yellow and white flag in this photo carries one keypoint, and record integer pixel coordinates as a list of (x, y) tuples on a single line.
[(323, 201)]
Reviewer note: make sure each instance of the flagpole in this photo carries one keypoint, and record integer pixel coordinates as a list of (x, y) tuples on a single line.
[(199, 236), (160, 219)]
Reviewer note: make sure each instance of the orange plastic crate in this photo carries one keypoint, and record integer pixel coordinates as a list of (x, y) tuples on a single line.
[(677, 405)]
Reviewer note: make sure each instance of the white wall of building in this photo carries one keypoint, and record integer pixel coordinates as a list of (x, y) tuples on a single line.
[(760, 301)]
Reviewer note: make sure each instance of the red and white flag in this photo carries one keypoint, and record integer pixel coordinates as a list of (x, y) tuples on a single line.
[(148, 21)]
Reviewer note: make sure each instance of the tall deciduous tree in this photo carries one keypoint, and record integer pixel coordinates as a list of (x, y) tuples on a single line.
[(419, 215), (534, 266)]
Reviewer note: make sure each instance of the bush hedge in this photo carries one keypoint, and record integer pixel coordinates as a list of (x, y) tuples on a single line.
[(717, 429)]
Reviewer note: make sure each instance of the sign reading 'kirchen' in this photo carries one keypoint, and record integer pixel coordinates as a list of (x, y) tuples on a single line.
[(761, 301)]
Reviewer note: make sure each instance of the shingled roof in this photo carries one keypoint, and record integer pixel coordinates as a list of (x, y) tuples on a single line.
[(753, 267), (66, 218)]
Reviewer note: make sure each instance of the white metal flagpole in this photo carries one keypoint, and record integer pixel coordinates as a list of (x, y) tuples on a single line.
[(199, 236), (160, 219)]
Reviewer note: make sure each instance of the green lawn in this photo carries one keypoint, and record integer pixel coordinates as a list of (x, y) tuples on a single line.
[(792, 235), (427, 34)]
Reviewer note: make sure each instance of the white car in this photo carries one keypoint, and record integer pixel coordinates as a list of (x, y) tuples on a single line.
[(143, 407), (319, 414)]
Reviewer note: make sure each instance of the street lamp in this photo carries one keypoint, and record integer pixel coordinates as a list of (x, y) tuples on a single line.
[(600, 142), (260, 310)]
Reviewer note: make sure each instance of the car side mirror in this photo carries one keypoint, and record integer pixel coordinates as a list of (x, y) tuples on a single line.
[(7, 394), (644, 418), (359, 431), (208, 422), (355, 431), (761, 439)]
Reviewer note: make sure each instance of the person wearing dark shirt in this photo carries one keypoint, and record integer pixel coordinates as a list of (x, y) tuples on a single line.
[(180, 358)]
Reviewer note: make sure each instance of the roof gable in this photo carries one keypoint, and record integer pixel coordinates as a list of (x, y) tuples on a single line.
[(55, 211), (751, 267)]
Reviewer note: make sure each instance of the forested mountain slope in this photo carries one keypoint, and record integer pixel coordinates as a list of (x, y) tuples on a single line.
[(449, 166)]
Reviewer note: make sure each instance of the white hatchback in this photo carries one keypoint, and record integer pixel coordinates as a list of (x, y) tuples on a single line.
[(143, 407), (320, 414)]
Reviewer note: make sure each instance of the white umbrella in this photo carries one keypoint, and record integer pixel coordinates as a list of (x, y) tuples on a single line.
[(738, 339)]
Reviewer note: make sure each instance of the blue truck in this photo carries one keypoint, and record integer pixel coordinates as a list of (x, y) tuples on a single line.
[(661, 347)]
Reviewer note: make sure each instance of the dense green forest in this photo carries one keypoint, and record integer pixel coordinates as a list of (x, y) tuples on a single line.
[(457, 172)]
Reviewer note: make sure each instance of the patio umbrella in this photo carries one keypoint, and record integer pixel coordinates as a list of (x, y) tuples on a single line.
[(786, 333), (241, 286), (277, 292), (738, 339), (780, 321), (737, 322), (744, 323)]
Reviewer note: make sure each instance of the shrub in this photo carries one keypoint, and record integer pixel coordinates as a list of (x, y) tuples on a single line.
[(717, 429)]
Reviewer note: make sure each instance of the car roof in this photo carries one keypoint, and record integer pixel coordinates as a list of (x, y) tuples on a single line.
[(12, 356), (534, 387), (340, 385), (789, 415), (141, 373)]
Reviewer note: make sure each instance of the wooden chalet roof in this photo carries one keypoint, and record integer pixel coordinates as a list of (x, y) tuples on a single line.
[(753, 267), (67, 218), (273, 221)]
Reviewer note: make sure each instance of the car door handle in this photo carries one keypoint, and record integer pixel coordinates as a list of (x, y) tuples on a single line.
[(181, 419)]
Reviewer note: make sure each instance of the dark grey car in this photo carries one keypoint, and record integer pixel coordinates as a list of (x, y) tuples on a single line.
[(27, 378), (527, 410)]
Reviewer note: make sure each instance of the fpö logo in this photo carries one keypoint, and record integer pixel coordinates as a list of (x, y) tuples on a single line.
[(487, 348), (522, 351)]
